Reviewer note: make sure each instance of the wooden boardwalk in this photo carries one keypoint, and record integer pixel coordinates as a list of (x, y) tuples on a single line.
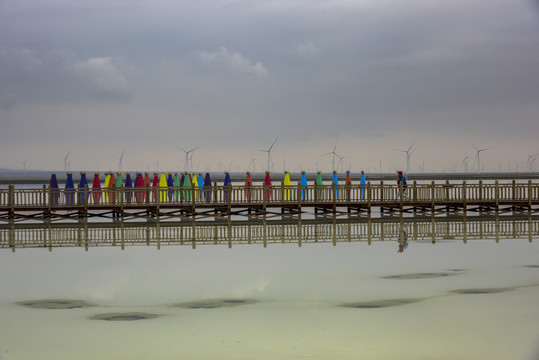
[(46, 204), (91, 235)]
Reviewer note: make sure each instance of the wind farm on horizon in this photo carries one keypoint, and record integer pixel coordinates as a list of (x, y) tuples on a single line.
[(318, 162)]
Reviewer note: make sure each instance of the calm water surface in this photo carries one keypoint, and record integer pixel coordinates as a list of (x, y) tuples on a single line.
[(351, 301)]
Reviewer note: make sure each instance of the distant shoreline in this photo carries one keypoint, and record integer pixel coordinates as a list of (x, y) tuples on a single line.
[(43, 177)]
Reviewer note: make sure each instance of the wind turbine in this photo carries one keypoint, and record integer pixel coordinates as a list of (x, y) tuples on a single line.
[(465, 163), (65, 160), (408, 156), (253, 161), (187, 157), (334, 153), (269, 152), (478, 152), (531, 162), (120, 161), (340, 163)]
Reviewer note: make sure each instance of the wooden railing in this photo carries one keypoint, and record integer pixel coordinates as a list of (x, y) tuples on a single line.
[(342, 195)]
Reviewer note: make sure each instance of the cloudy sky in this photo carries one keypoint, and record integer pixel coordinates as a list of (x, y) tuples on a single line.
[(100, 77)]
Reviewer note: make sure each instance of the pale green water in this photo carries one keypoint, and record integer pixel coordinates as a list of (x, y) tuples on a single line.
[(297, 312)]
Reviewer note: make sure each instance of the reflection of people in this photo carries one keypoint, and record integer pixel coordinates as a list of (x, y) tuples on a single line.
[(403, 239), (402, 179)]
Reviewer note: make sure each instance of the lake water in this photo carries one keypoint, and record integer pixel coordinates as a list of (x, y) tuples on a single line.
[(449, 300)]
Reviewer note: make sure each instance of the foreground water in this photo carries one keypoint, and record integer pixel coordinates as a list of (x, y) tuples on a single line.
[(351, 301)]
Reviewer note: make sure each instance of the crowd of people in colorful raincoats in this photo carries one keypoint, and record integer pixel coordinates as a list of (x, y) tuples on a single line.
[(175, 187)]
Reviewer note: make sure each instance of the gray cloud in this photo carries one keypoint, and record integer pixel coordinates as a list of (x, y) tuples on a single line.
[(308, 50), (57, 77), (234, 61), (101, 76)]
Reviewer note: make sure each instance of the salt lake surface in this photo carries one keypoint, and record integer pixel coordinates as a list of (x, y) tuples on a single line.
[(449, 300)]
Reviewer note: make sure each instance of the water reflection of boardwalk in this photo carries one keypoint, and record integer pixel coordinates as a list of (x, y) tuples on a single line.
[(295, 231), (259, 200)]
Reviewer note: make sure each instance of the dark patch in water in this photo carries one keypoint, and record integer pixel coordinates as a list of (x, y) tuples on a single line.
[(456, 270), (215, 303), (381, 303), (54, 304), (481, 291), (418, 276), (532, 266), (132, 316)]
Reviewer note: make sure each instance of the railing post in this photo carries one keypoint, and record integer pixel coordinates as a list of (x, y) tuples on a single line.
[(333, 194), (369, 196), (432, 195), (122, 201), (496, 195), (11, 201), (381, 196), (44, 195), (513, 197), (464, 196), (529, 195), (299, 197), (77, 196), (401, 195), (414, 191), (480, 189), (264, 197), (229, 199), (86, 201), (192, 201), (157, 196), (50, 200)]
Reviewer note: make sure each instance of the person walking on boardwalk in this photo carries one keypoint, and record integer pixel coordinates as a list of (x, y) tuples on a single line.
[(363, 184), (402, 179)]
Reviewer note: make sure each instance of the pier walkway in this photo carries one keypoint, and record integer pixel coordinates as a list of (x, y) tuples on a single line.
[(222, 202)]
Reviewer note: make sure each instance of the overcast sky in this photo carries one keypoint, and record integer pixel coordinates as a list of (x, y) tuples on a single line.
[(230, 76)]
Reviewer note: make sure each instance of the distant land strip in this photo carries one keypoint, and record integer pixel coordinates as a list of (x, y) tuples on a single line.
[(43, 177)]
